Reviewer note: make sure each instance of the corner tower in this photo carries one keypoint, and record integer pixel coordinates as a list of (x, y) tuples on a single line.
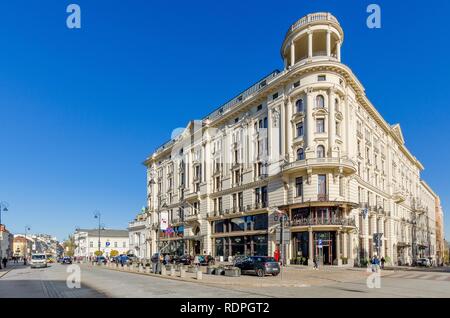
[(317, 36)]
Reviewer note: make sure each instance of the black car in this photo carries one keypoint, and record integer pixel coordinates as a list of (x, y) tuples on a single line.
[(260, 265), (66, 260), (184, 260)]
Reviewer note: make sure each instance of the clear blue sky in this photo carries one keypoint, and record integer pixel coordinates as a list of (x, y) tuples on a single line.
[(81, 109)]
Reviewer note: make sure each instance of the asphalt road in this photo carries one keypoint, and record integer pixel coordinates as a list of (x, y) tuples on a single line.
[(101, 282)]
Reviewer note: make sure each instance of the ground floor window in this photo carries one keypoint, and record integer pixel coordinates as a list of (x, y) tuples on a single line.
[(249, 245)]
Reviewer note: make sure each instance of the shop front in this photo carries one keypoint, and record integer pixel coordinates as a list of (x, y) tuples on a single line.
[(244, 235), (324, 247)]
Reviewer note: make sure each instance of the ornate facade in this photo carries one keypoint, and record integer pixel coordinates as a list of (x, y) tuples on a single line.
[(304, 142)]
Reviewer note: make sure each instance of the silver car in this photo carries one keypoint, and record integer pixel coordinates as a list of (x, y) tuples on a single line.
[(38, 260)]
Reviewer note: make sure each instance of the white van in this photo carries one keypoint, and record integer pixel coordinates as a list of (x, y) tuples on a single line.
[(38, 260)]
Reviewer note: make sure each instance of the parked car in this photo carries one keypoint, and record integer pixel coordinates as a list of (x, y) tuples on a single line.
[(66, 260), (260, 265), (101, 259), (423, 262), (38, 260), (123, 258), (206, 260), (184, 259)]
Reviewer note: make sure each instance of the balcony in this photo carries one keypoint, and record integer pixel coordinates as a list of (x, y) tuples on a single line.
[(349, 167), (335, 221), (398, 196), (137, 225), (314, 17), (322, 198), (192, 217)]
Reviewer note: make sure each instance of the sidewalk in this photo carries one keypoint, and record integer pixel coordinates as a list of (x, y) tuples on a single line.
[(9, 267), (290, 277)]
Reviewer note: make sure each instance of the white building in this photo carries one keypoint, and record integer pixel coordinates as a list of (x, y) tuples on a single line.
[(139, 235), (87, 242), (306, 141), (6, 242)]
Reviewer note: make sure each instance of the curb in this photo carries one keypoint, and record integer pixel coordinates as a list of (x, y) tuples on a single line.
[(5, 272)]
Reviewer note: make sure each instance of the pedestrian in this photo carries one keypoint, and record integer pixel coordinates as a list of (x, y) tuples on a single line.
[(196, 260), (383, 260), (316, 263), (166, 259), (276, 255), (5, 261)]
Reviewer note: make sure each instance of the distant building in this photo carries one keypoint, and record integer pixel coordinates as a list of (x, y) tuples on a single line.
[(86, 241), (22, 246), (139, 235), (6, 242)]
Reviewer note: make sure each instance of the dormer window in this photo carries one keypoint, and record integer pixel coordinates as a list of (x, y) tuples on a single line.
[(320, 151), (320, 101), (275, 96), (300, 154), (299, 106), (258, 108), (321, 78)]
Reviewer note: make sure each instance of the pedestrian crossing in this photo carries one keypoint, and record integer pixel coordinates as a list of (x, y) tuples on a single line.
[(422, 276)]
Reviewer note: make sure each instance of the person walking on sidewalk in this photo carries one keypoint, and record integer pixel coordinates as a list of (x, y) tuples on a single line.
[(383, 260), (4, 261)]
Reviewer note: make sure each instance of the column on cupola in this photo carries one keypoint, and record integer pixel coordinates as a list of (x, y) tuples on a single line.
[(292, 53), (310, 44), (329, 43), (338, 50)]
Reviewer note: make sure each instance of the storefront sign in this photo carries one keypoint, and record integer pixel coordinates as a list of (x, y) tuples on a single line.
[(164, 220)]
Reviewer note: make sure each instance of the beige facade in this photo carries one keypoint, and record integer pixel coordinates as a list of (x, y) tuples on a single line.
[(305, 141), (440, 237)]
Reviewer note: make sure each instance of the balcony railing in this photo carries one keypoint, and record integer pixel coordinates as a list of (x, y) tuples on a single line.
[(314, 17), (323, 221), (321, 162), (322, 197)]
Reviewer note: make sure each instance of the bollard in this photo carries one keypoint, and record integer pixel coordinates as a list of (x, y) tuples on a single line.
[(141, 269), (182, 272), (172, 271), (163, 271), (199, 274), (148, 269)]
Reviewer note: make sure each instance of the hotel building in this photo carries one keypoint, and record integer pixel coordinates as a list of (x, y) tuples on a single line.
[(303, 146)]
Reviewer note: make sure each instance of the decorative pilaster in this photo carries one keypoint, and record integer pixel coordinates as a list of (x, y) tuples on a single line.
[(292, 53), (309, 122), (310, 44), (331, 121)]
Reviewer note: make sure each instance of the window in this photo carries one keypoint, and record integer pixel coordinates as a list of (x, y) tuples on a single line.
[(321, 78), (115, 244), (299, 106), (124, 244), (322, 184), (320, 101), (300, 154), (259, 108), (320, 151), (296, 84), (275, 96), (336, 104), (320, 125), (299, 187), (91, 244), (338, 128), (341, 186), (299, 129)]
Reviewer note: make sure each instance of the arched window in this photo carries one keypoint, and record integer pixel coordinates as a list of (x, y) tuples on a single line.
[(300, 154), (299, 106), (336, 104), (320, 151), (320, 101)]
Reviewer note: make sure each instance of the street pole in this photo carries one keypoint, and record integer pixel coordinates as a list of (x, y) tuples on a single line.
[(98, 216), (3, 208), (27, 228)]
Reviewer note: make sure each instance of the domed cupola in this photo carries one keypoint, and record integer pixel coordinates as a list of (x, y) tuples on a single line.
[(315, 37)]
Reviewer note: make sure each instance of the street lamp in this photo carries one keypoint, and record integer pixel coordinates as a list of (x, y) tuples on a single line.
[(98, 215), (27, 228), (3, 208)]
